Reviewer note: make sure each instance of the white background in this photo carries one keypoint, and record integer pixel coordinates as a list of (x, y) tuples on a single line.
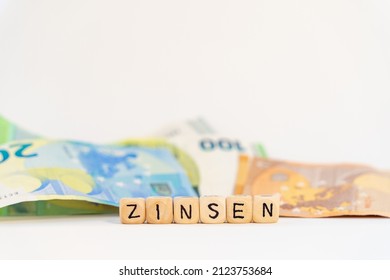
[(309, 79)]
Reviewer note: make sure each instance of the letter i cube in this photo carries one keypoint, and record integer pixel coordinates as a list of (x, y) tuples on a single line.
[(266, 208), (159, 210), (132, 210)]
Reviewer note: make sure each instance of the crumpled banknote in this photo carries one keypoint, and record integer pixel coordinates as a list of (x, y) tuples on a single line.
[(319, 190), (67, 170)]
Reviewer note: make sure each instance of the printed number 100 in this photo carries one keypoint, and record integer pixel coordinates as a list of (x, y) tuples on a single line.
[(221, 144)]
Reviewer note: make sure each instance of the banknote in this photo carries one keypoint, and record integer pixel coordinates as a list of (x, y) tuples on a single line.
[(57, 207), (10, 131), (67, 170), (320, 190), (191, 127), (209, 157), (161, 139)]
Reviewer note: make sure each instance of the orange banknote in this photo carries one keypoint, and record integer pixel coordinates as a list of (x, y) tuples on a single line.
[(323, 190)]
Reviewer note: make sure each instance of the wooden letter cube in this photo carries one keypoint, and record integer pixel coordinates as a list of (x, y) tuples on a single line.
[(132, 210), (266, 208), (239, 209), (159, 210), (186, 210), (212, 209)]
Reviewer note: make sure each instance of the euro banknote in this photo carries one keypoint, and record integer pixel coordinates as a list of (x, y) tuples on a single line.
[(41, 170), (209, 157), (192, 128), (10, 131), (320, 190)]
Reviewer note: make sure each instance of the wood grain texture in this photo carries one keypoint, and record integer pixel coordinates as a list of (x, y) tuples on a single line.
[(266, 208), (186, 210), (239, 209), (212, 209), (132, 210), (159, 210)]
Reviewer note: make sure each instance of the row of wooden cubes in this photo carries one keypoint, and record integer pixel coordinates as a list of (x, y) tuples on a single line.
[(206, 209)]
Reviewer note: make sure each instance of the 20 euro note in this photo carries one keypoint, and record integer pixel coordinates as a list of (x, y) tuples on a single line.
[(64, 170), (321, 190), (9, 131)]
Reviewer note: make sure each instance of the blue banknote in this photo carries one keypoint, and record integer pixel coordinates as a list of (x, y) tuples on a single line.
[(46, 169)]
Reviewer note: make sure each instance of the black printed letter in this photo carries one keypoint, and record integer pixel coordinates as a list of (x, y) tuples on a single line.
[(132, 211), (237, 211), (214, 210), (183, 210), (265, 207)]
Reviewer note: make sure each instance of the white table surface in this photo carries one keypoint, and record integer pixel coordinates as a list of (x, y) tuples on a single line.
[(104, 237), (309, 79)]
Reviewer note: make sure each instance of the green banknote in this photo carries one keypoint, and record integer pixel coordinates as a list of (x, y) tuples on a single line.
[(42, 170), (9, 131)]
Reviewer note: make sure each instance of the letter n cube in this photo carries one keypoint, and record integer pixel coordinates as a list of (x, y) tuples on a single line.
[(266, 208), (186, 210)]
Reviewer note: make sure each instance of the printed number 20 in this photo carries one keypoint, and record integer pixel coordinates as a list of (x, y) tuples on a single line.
[(20, 152)]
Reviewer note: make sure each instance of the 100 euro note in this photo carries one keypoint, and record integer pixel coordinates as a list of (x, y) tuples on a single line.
[(321, 190), (68, 171), (209, 157)]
